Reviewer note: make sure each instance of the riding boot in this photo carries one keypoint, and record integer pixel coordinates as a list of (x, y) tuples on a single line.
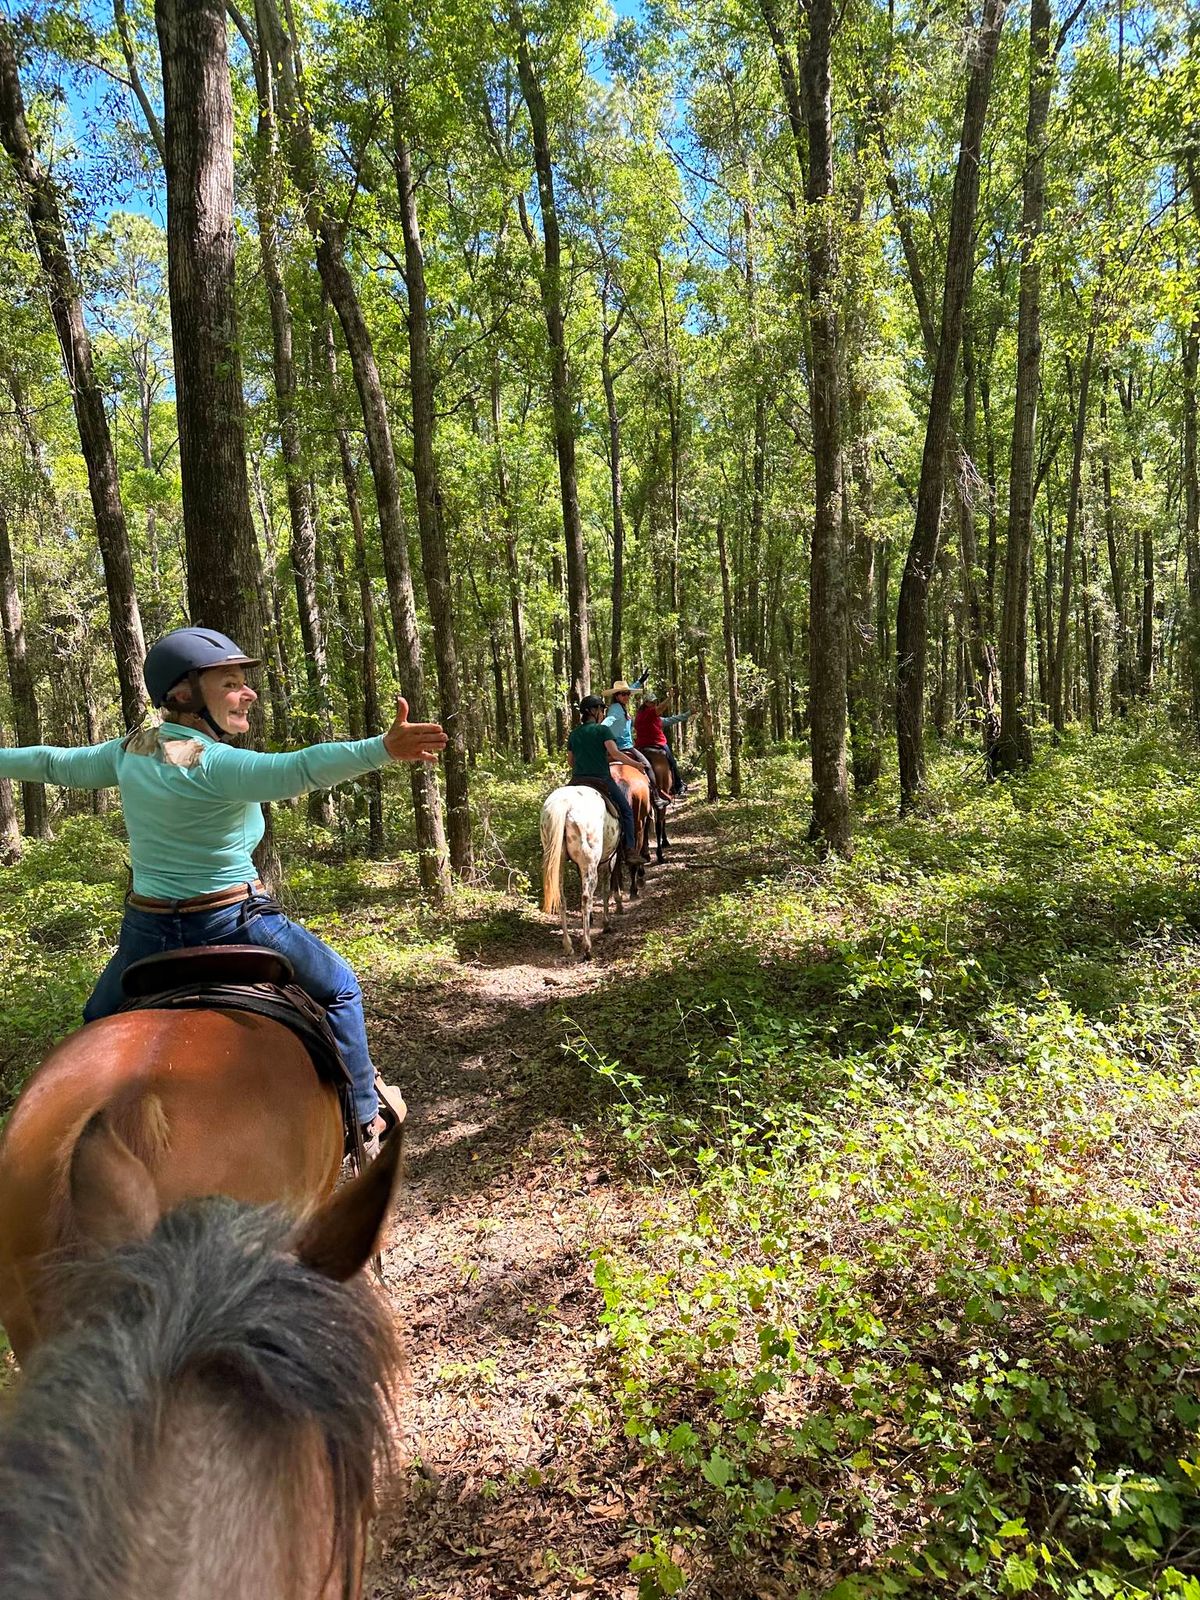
[(391, 1114)]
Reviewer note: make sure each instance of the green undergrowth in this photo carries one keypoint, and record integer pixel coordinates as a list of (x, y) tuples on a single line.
[(914, 1310), (60, 905)]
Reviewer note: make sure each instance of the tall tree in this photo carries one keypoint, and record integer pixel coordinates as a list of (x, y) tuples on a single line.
[(1014, 747), (807, 89), (40, 197), (222, 552), (328, 233), (435, 560), (912, 616), (562, 399)]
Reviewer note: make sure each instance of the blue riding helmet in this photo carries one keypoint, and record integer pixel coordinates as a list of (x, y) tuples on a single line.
[(188, 650)]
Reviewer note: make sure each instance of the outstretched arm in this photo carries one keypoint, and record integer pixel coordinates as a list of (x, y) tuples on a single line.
[(92, 767), (232, 774)]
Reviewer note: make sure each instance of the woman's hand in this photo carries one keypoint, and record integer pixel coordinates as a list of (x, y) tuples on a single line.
[(413, 741)]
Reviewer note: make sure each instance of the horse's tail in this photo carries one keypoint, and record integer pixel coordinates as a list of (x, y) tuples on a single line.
[(554, 834)]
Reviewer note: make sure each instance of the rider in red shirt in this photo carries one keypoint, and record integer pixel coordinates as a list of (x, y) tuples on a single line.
[(649, 730)]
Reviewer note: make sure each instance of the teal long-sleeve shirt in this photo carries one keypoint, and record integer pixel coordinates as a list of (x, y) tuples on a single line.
[(192, 805)]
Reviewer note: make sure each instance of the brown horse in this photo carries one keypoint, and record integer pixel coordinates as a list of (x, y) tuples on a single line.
[(666, 787), (206, 1102), (207, 1418), (638, 789)]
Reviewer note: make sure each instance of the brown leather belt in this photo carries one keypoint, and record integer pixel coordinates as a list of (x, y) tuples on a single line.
[(216, 901)]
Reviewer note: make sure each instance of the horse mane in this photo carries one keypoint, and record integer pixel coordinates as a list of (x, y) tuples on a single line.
[(211, 1317)]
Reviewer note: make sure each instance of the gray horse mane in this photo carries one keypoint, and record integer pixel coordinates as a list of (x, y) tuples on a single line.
[(212, 1300)]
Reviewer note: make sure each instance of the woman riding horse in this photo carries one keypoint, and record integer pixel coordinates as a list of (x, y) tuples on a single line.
[(621, 732), (590, 750), (193, 812)]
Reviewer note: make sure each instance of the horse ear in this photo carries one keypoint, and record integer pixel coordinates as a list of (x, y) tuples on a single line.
[(112, 1193), (340, 1237)]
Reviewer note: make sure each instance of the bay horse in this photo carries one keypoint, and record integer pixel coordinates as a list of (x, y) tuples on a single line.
[(207, 1417), (206, 1102), (663, 776), (577, 824)]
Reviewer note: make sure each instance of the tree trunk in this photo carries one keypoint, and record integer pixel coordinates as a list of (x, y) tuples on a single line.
[(222, 554), (561, 398), (981, 652), (1115, 572), (10, 836), (912, 613), (516, 599), (558, 661), (707, 724), (1191, 500), (1058, 659), (617, 498), (731, 668), (372, 712), (1014, 748), (1091, 639), (66, 307), (20, 678), (328, 238), (808, 99), (435, 561), (301, 501)]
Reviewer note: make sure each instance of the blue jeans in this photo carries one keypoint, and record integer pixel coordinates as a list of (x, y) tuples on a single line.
[(621, 800), (320, 971)]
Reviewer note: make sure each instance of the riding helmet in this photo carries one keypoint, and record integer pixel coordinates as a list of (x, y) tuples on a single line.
[(591, 702), (189, 650)]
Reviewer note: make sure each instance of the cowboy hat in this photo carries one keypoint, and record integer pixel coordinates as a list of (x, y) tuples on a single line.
[(620, 687)]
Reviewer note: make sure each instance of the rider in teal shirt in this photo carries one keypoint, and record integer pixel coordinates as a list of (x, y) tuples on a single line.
[(193, 812)]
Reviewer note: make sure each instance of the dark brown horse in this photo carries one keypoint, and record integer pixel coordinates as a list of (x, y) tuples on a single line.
[(207, 1417), (206, 1102), (637, 787), (666, 787)]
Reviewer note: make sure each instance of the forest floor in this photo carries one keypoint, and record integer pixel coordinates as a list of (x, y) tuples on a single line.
[(490, 1259), (834, 1234)]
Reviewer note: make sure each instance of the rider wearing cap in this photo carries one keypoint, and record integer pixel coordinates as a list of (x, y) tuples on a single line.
[(649, 730), (590, 749), (192, 804)]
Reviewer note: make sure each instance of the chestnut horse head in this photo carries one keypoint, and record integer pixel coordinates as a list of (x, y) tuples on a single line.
[(207, 1417)]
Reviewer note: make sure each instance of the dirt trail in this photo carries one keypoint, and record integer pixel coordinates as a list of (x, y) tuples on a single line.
[(490, 1272)]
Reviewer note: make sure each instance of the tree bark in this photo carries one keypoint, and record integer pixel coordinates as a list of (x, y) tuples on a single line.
[(707, 723), (617, 498), (516, 598), (807, 91), (1058, 658), (912, 613), (561, 396), (40, 198), (20, 678), (329, 242), (1191, 503), (222, 554), (435, 561), (1014, 748), (731, 667), (371, 709)]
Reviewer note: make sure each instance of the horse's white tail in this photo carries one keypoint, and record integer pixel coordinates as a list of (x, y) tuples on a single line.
[(554, 836)]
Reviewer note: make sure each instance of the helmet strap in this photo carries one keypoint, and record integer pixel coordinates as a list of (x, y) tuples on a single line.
[(199, 706)]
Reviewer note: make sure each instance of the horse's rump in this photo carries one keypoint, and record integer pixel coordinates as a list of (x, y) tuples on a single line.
[(211, 1102)]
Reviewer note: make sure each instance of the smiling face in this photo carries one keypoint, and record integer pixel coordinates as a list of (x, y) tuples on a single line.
[(228, 697)]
